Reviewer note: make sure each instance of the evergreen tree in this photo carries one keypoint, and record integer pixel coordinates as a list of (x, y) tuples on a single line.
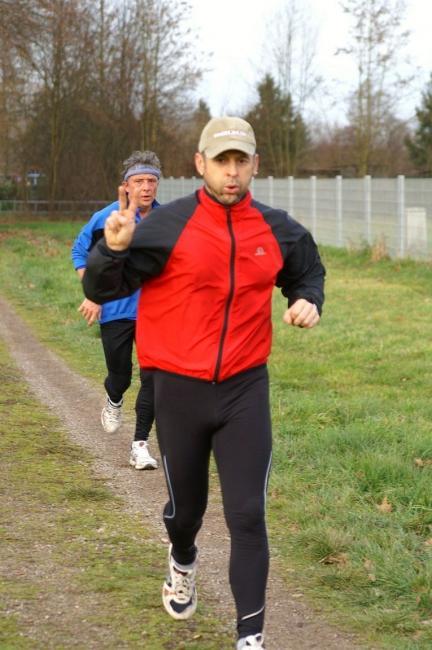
[(420, 146), (280, 131)]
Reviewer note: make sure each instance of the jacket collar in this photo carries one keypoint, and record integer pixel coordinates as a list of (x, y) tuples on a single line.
[(155, 204)]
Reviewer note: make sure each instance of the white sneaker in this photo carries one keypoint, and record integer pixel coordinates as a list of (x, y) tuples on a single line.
[(252, 641), (111, 416), (140, 456), (179, 594)]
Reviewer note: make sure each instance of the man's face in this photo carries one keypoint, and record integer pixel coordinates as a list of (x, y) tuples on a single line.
[(144, 186), (227, 177)]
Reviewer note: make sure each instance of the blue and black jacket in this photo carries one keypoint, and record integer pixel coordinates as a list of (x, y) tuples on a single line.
[(124, 308)]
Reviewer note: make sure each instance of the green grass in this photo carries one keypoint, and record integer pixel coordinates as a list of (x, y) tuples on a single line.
[(65, 533), (37, 274), (352, 414)]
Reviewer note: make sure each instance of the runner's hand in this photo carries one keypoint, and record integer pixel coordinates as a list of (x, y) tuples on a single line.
[(302, 314), (120, 225), (90, 310)]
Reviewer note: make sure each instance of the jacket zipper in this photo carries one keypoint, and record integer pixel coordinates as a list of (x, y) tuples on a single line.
[(229, 298)]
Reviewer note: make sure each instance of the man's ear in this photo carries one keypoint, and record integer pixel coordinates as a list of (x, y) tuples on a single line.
[(199, 163)]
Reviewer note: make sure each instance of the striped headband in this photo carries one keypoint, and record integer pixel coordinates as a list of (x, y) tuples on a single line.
[(141, 169)]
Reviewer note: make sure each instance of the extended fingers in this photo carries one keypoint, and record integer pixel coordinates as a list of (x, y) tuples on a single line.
[(122, 198), (133, 203), (118, 230), (113, 222), (128, 203)]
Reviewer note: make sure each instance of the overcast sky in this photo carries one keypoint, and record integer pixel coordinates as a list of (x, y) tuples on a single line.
[(234, 31)]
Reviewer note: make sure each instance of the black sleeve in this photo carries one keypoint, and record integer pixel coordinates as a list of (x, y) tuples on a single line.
[(110, 274), (302, 274)]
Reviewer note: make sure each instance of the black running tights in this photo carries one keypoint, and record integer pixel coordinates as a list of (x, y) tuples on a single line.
[(232, 419), (117, 338)]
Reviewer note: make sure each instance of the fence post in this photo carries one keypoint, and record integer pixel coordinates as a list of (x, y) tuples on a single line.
[(368, 208), (339, 220), (290, 195), (270, 191), (313, 205), (401, 214)]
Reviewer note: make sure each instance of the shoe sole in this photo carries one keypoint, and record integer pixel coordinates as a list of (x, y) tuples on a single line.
[(146, 466)]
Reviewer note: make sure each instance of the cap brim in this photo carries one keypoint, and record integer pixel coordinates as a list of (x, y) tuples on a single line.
[(230, 145)]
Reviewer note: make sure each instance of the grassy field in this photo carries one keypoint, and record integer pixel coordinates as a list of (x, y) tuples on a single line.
[(66, 540), (350, 504)]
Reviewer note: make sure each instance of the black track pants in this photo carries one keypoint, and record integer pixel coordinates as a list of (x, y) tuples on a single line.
[(232, 419), (144, 406), (117, 339)]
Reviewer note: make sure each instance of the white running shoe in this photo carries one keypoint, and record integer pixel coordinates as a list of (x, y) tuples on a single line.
[(111, 416), (140, 456), (252, 641), (179, 594)]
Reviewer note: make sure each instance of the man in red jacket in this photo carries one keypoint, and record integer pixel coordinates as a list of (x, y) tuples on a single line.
[(207, 265)]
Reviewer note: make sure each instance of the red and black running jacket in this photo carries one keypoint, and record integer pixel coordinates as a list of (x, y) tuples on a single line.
[(207, 273)]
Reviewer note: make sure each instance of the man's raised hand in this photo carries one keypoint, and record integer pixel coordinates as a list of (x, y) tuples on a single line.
[(120, 225)]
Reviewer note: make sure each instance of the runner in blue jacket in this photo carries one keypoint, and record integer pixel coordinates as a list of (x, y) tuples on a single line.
[(141, 172)]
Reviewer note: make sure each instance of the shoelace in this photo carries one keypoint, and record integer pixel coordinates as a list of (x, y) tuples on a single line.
[(183, 584), (113, 413)]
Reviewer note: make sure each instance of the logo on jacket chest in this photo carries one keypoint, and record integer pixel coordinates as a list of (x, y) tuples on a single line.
[(257, 263)]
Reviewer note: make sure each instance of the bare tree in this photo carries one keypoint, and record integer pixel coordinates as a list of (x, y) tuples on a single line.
[(168, 70), (290, 39), (10, 105), (18, 31), (71, 132), (62, 60), (292, 36), (87, 82), (19, 22), (376, 45)]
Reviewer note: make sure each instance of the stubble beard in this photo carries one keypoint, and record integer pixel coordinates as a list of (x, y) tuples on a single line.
[(225, 199)]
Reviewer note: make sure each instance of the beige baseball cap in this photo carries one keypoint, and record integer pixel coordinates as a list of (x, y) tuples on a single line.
[(226, 133)]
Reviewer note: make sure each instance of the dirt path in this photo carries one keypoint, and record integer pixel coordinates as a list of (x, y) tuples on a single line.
[(290, 625)]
